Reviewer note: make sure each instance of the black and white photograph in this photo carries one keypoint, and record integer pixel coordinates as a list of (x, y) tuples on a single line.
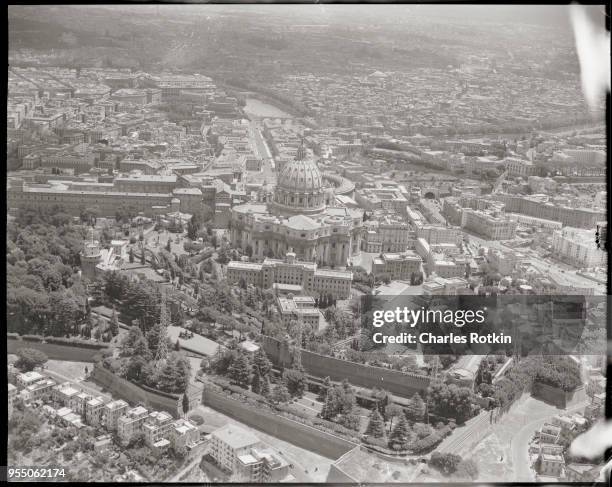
[(307, 243)]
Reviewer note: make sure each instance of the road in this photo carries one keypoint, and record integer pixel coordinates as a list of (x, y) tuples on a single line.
[(519, 444)]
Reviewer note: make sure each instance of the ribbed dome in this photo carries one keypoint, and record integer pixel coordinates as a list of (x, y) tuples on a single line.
[(299, 189), (301, 176)]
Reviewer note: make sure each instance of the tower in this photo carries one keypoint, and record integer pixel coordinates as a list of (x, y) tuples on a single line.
[(90, 256)]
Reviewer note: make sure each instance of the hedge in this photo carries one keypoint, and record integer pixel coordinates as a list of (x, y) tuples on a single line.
[(31, 338), (75, 342)]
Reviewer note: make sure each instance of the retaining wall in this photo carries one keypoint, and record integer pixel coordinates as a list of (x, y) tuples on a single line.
[(304, 436), (394, 381), (134, 394), (54, 351)]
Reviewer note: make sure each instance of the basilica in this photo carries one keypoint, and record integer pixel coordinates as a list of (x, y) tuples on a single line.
[(303, 216)]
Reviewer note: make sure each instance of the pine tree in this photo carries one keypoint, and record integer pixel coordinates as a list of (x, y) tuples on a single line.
[(142, 257), (323, 390), (177, 346), (416, 409), (114, 324), (239, 371), (256, 382), (400, 436), (376, 426), (169, 245), (262, 362), (265, 386)]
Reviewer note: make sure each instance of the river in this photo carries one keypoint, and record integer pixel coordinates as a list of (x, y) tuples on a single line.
[(258, 108)]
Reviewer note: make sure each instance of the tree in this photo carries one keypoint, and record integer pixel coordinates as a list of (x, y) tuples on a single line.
[(142, 257), (323, 390), (467, 469), (265, 386), (114, 324), (393, 411), (446, 463), (131, 256), (169, 245), (416, 409), (401, 435), (185, 403), (192, 228), (249, 250), (296, 382), (280, 394), (29, 359), (177, 345), (239, 371), (261, 361), (256, 381), (376, 426)]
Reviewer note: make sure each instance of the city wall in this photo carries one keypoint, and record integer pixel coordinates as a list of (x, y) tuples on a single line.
[(304, 436), (54, 351), (135, 394), (394, 381)]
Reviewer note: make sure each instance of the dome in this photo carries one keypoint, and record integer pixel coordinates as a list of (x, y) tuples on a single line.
[(301, 176), (300, 187)]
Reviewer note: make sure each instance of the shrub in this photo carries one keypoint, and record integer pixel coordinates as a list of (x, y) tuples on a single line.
[(446, 463)]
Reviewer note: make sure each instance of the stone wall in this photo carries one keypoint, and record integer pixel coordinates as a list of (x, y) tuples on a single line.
[(304, 436), (136, 394), (394, 381), (55, 351)]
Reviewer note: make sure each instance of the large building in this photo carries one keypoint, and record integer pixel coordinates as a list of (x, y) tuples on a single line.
[(494, 226), (299, 218), (397, 266), (290, 271), (577, 247), (244, 455), (542, 206)]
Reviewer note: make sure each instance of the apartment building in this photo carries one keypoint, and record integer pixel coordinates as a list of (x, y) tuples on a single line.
[(156, 429), (228, 443), (112, 412), (94, 411), (576, 247), (130, 424)]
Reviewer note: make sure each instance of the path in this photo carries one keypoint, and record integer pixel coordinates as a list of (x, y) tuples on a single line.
[(463, 437)]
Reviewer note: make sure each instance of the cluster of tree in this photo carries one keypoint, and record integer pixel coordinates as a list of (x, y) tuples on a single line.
[(451, 464), (245, 371), (450, 401), (43, 293), (196, 225), (30, 358), (136, 301), (137, 361), (340, 406), (559, 371)]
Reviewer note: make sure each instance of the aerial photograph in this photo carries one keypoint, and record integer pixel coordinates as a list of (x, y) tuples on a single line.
[(304, 243)]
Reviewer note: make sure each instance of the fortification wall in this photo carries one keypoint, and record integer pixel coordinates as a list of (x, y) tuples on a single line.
[(394, 381), (304, 436)]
